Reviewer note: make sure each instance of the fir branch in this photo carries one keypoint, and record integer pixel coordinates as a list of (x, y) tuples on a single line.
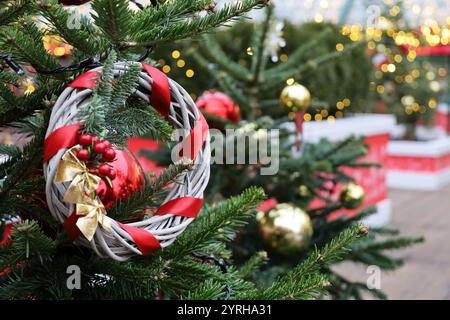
[(154, 16), (225, 82), (114, 18), (81, 39), (25, 41), (184, 274), (104, 87), (194, 26), (10, 11), (30, 104), (10, 150), (228, 85), (94, 114), (9, 77), (37, 280), (389, 244), (252, 265), (22, 165), (7, 95), (137, 122), (208, 290), (305, 279), (125, 86), (217, 224), (29, 243), (385, 231), (214, 52), (376, 258), (31, 125), (110, 96), (344, 289), (297, 55), (259, 43), (308, 66)]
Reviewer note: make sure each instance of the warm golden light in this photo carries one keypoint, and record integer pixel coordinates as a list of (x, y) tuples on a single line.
[(176, 54)]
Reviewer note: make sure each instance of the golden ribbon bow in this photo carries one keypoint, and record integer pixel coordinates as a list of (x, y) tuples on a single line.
[(70, 168), (93, 213)]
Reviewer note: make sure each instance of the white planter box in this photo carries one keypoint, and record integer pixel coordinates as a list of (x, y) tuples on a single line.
[(419, 165), (375, 129)]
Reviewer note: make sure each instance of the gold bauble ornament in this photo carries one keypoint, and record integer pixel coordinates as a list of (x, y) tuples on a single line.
[(295, 98), (351, 196), (286, 228)]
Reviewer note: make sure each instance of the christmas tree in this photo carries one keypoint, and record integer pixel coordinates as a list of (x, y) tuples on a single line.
[(403, 85), (68, 205), (246, 71)]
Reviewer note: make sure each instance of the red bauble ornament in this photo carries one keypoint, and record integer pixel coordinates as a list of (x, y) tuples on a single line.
[(72, 2), (85, 139), (83, 155), (109, 154), (219, 105), (136, 145), (99, 148), (129, 179)]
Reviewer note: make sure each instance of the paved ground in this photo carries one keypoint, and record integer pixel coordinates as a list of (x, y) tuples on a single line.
[(426, 273)]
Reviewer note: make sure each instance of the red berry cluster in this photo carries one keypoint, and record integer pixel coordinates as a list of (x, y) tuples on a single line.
[(94, 147)]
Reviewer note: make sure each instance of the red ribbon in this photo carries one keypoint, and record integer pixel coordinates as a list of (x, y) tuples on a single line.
[(192, 143), (61, 138), (299, 119), (86, 80), (145, 241), (70, 225), (6, 235), (185, 206), (160, 98)]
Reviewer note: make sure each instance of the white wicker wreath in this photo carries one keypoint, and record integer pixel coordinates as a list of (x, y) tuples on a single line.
[(118, 244)]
